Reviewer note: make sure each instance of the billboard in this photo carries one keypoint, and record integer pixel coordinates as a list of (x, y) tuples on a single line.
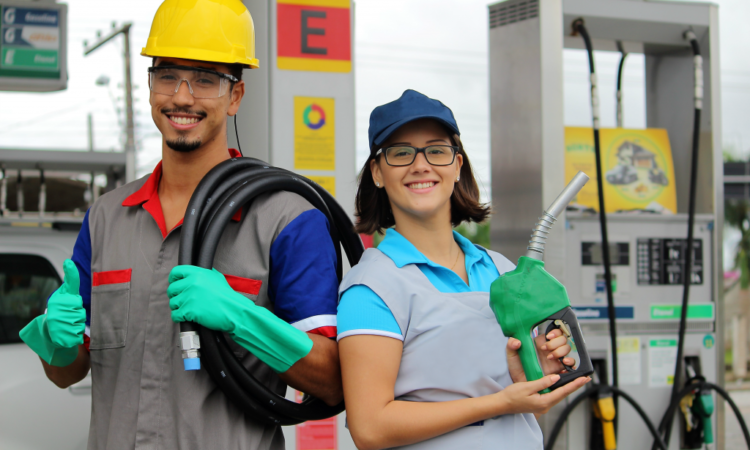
[(638, 168)]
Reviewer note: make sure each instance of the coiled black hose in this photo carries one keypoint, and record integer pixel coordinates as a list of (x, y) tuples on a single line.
[(224, 190)]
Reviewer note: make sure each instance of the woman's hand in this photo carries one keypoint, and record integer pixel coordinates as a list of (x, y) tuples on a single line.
[(550, 349), (549, 353), (524, 397)]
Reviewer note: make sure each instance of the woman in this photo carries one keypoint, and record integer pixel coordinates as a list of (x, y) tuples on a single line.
[(421, 352)]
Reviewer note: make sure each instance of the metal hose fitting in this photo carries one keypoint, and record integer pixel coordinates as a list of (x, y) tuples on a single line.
[(190, 343), (540, 231)]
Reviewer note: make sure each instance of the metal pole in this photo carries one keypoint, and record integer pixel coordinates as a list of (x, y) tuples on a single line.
[(42, 193), (19, 193), (3, 191), (129, 126), (91, 132)]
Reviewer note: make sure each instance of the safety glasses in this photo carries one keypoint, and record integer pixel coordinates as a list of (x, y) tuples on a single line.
[(404, 155), (202, 83)]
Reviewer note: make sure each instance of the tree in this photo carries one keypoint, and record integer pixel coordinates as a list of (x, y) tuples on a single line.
[(737, 214)]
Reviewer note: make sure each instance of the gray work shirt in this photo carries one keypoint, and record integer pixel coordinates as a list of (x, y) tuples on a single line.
[(453, 349), (142, 397)]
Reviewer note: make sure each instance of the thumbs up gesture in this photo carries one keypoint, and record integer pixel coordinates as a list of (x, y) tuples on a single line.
[(56, 335), (66, 318)]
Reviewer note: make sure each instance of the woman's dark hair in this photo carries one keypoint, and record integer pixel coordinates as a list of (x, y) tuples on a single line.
[(373, 208)]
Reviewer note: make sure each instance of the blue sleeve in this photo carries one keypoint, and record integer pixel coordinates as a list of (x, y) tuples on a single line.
[(82, 258), (302, 282), (362, 311)]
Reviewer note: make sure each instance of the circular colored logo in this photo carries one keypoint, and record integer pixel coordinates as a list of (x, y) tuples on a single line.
[(321, 117), (708, 341)]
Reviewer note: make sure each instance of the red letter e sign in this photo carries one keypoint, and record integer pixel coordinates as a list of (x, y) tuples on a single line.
[(314, 35)]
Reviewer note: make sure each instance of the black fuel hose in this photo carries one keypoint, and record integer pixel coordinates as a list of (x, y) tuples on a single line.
[(579, 27), (593, 392), (620, 71), (224, 190), (666, 426)]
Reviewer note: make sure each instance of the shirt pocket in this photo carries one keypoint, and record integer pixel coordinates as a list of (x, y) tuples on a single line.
[(110, 306)]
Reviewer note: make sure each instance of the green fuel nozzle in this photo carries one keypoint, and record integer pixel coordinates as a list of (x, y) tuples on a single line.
[(529, 296)]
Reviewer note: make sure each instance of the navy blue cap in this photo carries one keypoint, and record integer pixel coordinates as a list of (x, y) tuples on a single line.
[(412, 105)]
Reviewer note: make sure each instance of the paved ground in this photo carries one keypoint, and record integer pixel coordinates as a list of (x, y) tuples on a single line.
[(735, 441)]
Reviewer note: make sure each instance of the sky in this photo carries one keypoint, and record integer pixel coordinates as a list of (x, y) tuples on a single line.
[(438, 47)]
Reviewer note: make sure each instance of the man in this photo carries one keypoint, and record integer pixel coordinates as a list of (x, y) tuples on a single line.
[(116, 313)]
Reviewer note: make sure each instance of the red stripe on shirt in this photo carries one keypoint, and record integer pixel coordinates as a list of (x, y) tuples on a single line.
[(328, 332), (244, 285), (111, 277)]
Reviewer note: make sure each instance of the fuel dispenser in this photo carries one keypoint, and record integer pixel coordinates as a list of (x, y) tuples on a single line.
[(635, 354)]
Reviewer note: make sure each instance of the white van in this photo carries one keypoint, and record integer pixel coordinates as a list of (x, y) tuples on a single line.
[(34, 413), (39, 224)]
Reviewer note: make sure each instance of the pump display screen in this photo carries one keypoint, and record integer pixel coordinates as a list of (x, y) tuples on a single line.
[(591, 253), (662, 261)]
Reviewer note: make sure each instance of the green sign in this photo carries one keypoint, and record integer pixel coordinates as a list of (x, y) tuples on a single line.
[(662, 343), (33, 59), (31, 46), (702, 311)]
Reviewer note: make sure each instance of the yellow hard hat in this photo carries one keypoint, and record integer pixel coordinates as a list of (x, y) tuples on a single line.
[(219, 31)]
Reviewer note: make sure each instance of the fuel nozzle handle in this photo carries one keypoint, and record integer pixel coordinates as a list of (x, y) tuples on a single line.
[(535, 250)]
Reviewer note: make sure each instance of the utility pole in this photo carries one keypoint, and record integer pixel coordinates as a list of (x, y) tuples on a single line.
[(90, 128), (129, 124)]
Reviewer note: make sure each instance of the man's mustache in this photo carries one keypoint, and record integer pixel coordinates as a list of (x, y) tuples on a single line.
[(183, 111)]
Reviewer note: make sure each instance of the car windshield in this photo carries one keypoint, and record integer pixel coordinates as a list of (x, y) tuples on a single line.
[(26, 281)]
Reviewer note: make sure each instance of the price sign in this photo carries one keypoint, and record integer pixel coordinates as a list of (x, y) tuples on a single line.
[(32, 53), (662, 261)]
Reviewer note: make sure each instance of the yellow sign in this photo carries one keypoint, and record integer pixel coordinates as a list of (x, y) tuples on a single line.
[(314, 133), (637, 164), (327, 183)]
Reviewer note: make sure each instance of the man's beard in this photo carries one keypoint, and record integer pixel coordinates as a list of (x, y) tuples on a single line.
[(182, 145)]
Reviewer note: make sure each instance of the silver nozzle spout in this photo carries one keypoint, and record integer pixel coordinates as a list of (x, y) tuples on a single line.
[(539, 234)]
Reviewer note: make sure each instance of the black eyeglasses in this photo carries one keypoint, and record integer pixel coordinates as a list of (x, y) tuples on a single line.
[(404, 155)]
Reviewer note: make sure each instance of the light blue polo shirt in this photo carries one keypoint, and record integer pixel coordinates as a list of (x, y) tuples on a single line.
[(362, 311)]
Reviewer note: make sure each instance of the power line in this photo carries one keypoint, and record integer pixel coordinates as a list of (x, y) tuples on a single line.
[(14, 126)]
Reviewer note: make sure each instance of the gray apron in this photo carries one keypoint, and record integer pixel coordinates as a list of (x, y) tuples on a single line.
[(453, 349)]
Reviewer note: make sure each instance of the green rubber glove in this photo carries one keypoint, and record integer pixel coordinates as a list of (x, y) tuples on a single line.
[(56, 335), (204, 296)]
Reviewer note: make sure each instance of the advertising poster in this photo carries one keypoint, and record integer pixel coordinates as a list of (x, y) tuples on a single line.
[(314, 134), (637, 165), (629, 360), (662, 356)]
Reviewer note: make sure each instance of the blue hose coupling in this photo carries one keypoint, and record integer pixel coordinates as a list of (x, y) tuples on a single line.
[(190, 343)]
